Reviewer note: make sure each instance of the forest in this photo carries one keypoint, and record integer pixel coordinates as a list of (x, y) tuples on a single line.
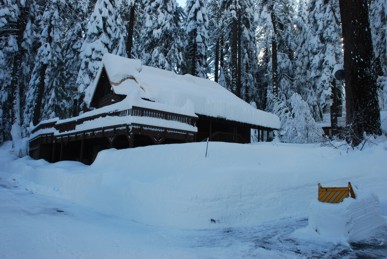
[(280, 56)]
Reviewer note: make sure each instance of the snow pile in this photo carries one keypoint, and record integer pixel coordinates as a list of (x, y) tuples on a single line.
[(351, 221)]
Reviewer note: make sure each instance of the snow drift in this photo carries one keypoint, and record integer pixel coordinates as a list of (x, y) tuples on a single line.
[(158, 201), (177, 186)]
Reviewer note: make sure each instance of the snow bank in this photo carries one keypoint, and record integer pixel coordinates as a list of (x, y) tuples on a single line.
[(351, 221), (177, 186)]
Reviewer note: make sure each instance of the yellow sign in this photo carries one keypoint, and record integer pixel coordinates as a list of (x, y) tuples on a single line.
[(335, 194)]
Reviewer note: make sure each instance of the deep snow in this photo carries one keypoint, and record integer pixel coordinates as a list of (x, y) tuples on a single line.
[(158, 201)]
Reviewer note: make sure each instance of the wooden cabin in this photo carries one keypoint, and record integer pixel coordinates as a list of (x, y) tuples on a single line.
[(132, 105)]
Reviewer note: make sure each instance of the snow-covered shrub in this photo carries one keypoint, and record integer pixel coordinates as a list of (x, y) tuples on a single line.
[(297, 123), (19, 144)]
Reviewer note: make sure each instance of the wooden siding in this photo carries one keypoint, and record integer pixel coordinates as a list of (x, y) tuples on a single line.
[(84, 145)]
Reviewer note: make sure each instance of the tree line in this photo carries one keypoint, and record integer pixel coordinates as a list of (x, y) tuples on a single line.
[(275, 54)]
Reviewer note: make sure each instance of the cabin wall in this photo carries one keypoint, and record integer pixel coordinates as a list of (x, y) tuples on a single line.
[(222, 130), (104, 94)]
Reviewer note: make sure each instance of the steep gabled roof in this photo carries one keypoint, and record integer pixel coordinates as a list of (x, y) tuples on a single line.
[(182, 94)]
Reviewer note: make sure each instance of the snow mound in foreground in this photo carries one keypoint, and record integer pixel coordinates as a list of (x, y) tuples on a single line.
[(351, 221)]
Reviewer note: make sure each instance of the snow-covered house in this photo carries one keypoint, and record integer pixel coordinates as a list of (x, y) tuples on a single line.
[(134, 105)]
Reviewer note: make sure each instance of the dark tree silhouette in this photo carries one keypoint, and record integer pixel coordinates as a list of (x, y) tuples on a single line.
[(362, 107)]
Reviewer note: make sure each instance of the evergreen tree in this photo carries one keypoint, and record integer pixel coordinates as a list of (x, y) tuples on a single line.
[(276, 48), (18, 31), (264, 40), (297, 123), (39, 78), (196, 27), (161, 35), (216, 41), (75, 15), (362, 107), (8, 49), (60, 75), (235, 47), (248, 66), (378, 23), (319, 50), (104, 34), (129, 13)]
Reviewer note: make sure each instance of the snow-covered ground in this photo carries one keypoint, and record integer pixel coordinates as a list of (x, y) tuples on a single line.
[(170, 201)]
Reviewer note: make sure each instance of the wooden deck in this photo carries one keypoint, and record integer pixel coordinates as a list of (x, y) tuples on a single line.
[(61, 140), (65, 142)]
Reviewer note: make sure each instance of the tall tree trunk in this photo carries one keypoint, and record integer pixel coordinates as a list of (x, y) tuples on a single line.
[(217, 49), (39, 99), (42, 84), (234, 56), (130, 29), (17, 90), (221, 53), (274, 65), (193, 56), (363, 115), (274, 59), (239, 60)]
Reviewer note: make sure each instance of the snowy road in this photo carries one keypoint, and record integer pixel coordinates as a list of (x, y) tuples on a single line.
[(36, 226), (276, 237)]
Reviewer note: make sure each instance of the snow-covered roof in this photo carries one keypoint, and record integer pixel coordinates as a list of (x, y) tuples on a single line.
[(182, 94)]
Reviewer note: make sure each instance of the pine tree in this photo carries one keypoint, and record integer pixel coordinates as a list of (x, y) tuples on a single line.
[(196, 27), (75, 25), (276, 46), (362, 107), (60, 76), (319, 50), (39, 78), (248, 67), (297, 123), (105, 34), (129, 13), (264, 40), (20, 32), (216, 41), (8, 49), (161, 35), (234, 46), (378, 23)]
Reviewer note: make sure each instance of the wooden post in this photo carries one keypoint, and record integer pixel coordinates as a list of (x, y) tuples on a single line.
[(53, 152), (61, 150), (351, 192), (209, 136), (131, 140), (82, 149)]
